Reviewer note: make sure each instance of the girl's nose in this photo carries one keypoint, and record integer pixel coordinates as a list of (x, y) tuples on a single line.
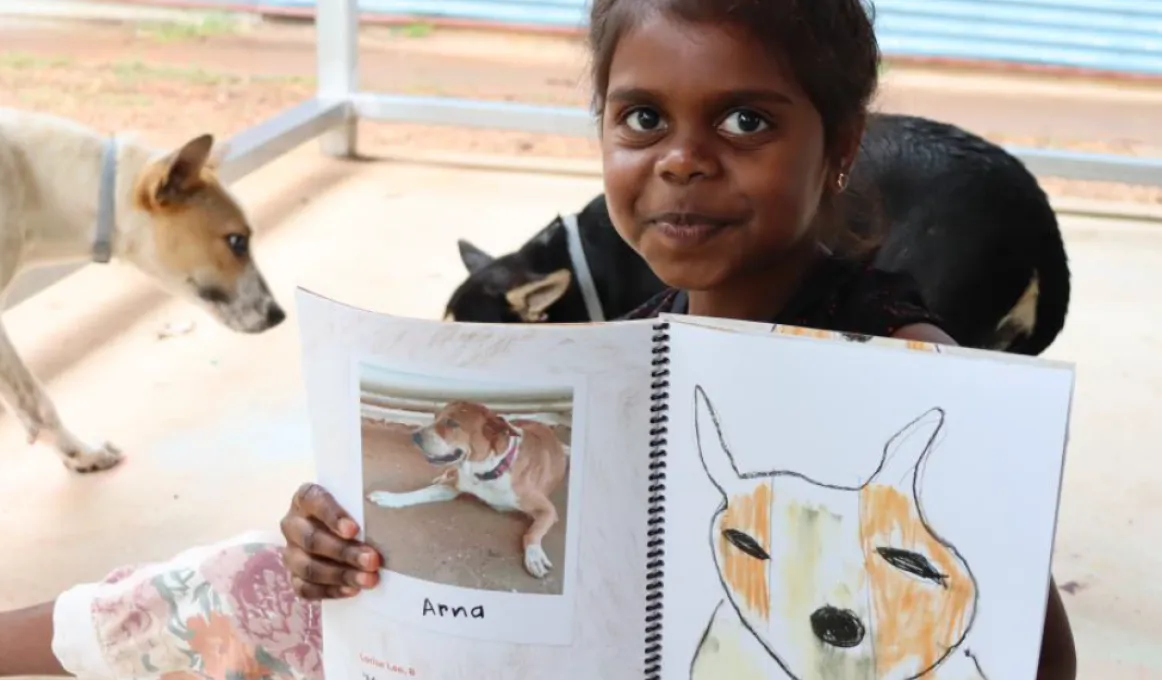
[(686, 160)]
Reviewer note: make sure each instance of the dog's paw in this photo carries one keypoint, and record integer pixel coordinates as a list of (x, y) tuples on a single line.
[(384, 499), (536, 561), (92, 460)]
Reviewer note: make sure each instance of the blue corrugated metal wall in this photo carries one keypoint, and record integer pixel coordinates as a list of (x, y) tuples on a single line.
[(1117, 35)]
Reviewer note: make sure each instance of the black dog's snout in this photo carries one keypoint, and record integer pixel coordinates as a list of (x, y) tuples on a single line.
[(417, 439), (837, 627)]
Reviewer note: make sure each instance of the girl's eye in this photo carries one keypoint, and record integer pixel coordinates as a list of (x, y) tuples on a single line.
[(643, 120), (744, 123)]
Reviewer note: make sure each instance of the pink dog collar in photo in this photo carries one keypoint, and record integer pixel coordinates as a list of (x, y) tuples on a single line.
[(505, 463)]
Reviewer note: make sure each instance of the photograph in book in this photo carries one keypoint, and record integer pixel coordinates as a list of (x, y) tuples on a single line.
[(537, 568), (466, 484)]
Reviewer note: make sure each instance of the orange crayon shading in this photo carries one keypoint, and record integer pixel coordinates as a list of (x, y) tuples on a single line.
[(749, 513)]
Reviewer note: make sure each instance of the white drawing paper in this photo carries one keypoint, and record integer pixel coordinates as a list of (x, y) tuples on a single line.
[(857, 512), (468, 599)]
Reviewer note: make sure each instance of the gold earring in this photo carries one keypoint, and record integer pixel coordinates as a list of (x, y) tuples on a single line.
[(841, 182)]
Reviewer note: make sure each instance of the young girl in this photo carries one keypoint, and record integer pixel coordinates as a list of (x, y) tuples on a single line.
[(727, 130)]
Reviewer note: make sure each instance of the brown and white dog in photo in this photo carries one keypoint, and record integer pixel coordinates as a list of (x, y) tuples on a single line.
[(510, 465), (68, 193)]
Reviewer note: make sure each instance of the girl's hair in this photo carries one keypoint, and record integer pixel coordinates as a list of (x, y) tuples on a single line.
[(829, 46)]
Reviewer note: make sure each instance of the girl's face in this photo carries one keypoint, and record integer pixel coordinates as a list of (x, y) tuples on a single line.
[(714, 156)]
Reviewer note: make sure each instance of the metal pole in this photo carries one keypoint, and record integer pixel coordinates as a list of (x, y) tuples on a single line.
[(337, 52)]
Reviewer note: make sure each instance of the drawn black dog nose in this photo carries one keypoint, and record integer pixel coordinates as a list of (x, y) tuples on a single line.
[(837, 627)]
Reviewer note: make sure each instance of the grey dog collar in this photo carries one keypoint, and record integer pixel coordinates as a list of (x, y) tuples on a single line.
[(106, 203), (581, 267)]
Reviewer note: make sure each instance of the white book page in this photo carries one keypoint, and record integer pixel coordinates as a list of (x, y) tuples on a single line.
[(503, 472), (867, 512)]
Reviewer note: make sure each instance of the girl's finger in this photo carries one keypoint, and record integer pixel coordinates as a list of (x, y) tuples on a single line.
[(312, 537), (320, 572), (314, 591), (313, 501)]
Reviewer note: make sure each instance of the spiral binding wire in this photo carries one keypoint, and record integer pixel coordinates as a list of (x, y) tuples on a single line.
[(656, 530)]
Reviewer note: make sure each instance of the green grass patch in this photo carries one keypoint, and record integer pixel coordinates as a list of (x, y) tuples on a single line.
[(23, 61), (209, 25), (137, 70), (415, 29)]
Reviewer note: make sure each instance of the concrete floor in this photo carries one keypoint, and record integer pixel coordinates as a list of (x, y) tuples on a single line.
[(213, 423)]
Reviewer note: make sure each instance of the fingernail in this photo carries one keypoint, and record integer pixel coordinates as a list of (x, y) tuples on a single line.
[(367, 559), (366, 580), (347, 528), (348, 591)]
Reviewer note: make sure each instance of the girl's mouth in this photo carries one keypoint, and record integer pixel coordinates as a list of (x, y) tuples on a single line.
[(688, 229)]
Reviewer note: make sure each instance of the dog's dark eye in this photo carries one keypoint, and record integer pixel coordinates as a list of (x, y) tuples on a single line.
[(451, 423), (913, 563), (238, 243), (746, 543)]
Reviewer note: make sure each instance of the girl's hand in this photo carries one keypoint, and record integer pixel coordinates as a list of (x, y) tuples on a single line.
[(322, 555)]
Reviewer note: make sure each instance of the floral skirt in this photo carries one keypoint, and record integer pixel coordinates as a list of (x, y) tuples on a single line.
[(219, 612)]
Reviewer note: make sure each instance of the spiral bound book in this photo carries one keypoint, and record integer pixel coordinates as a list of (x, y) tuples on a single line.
[(683, 498)]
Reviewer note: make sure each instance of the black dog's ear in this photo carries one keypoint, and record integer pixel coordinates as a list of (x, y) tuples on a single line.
[(532, 300), (474, 259)]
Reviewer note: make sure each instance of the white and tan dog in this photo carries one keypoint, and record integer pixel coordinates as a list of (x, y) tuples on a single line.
[(511, 466), (825, 581), (68, 193)]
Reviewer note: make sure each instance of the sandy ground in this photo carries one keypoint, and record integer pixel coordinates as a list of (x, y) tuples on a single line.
[(462, 542), (172, 82)]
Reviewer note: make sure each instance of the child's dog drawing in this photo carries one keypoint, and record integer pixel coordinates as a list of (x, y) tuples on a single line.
[(831, 581)]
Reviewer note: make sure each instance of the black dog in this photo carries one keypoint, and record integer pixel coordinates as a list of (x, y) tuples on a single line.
[(960, 214)]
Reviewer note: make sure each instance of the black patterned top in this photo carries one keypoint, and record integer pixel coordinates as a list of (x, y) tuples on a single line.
[(839, 295)]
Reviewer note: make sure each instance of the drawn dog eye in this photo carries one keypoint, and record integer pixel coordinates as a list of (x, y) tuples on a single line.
[(451, 423), (746, 543), (913, 563)]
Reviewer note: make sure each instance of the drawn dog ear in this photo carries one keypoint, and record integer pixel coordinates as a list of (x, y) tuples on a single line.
[(716, 457), (906, 451), (474, 259), (533, 299), (182, 170), (496, 431)]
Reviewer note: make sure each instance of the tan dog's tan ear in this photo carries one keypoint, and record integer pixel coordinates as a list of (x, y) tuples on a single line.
[(531, 300), (218, 155), (182, 170), (496, 431)]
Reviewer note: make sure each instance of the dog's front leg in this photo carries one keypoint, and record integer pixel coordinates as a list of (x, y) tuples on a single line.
[(26, 396), (435, 493), (544, 516)]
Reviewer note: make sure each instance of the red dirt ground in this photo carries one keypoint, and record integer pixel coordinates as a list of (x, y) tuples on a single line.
[(462, 542), (172, 83)]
